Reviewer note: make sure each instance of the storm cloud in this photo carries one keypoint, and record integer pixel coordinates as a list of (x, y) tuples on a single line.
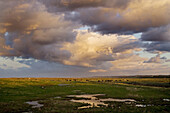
[(137, 16), (158, 46), (30, 31), (161, 34), (77, 4)]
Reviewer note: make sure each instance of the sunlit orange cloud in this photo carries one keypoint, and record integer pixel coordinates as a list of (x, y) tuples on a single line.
[(99, 70), (94, 50)]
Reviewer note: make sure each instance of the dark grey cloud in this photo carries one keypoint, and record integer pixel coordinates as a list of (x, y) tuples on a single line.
[(60, 5), (29, 30), (159, 39), (161, 34), (158, 46), (131, 19), (114, 16)]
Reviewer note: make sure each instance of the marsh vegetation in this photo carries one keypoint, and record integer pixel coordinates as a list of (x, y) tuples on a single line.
[(66, 95)]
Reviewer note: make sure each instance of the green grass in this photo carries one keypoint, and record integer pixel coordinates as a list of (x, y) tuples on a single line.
[(15, 92)]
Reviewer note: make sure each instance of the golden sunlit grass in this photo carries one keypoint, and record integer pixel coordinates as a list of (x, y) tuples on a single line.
[(12, 82)]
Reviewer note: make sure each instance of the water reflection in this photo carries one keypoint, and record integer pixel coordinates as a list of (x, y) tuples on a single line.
[(35, 104), (93, 101), (117, 100), (88, 96), (166, 100)]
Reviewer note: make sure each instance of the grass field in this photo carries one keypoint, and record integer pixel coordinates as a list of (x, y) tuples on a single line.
[(52, 94)]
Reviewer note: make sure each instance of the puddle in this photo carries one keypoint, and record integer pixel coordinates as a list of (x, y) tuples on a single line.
[(93, 101), (63, 84), (35, 104), (142, 105), (89, 96), (167, 100), (117, 100), (57, 97)]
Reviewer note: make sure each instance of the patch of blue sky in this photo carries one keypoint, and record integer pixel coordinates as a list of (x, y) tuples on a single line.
[(31, 68), (6, 34), (137, 35), (7, 63), (7, 39), (145, 54), (84, 28)]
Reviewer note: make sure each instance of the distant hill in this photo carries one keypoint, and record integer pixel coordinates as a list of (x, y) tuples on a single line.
[(135, 76)]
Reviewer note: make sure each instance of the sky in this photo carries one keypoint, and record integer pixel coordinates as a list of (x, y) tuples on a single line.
[(84, 38)]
